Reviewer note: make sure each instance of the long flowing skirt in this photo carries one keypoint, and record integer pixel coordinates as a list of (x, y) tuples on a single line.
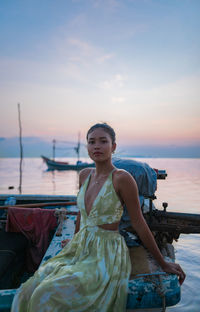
[(91, 273)]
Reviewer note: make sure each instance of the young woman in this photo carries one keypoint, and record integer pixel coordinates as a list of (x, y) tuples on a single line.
[(91, 273)]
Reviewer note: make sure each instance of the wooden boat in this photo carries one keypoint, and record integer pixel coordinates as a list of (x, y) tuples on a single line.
[(148, 287), (60, 165), (53, 164)]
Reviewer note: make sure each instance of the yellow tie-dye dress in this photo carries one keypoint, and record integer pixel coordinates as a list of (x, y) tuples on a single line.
[(91, 273)]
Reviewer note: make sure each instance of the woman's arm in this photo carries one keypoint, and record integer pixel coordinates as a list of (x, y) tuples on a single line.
[(129, 194)]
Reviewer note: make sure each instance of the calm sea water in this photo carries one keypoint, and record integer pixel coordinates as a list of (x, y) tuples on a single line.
[(181, 190)]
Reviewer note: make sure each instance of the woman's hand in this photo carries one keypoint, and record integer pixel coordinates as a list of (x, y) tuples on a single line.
[(65, 242), (174, 268)]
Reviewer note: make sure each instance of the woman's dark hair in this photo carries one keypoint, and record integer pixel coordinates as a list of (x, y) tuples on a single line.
[(106, 128)]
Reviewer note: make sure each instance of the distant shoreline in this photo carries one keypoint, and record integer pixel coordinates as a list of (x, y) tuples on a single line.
[(138, 157), (34, 147)]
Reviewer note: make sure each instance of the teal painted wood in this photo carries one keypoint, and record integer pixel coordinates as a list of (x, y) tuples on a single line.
[(149, 292), (144, 292), (6, 298)]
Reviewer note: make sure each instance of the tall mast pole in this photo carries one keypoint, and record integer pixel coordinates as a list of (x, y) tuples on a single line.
[(78, 146), (54, 149)]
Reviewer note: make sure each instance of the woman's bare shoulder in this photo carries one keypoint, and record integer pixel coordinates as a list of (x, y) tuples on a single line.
[(123, 175), (125, 186), (123, 179), (83, 174)]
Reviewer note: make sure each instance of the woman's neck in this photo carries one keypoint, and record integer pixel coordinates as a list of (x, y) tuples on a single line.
[(103, 168)]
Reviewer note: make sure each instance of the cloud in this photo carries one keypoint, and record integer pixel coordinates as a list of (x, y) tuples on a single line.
[(81, 51), (104, 58), (115, 82), (181, 95), (109, 4), (119, 99), (82, 46)]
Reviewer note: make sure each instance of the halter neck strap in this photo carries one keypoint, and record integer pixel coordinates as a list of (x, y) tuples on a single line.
[(113, 170)]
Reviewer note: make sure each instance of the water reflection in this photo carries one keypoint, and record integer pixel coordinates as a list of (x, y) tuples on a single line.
[(180, 190)]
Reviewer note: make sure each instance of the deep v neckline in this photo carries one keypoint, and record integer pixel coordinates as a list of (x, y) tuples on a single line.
[(86, 187)]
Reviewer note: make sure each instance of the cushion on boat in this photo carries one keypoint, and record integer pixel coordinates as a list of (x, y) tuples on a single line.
[(12, 241), (6, 258), (11, 245)]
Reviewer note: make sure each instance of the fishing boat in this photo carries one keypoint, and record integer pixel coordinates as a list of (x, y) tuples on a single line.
[(53, 164), (61, 165), (149, 287)]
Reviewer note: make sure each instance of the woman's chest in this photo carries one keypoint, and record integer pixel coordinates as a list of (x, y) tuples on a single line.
[(92, 194)]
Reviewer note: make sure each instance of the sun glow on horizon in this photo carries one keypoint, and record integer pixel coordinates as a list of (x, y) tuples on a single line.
[(83, 62)]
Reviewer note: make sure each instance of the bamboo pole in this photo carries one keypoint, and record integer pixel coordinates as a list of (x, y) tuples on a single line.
[(21, 149), (39, 205)]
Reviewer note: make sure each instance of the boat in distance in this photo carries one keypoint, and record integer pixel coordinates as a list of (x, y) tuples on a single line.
[(61, 165)]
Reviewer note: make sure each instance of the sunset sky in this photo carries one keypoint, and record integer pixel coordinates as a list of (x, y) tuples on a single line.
[(71, 63)]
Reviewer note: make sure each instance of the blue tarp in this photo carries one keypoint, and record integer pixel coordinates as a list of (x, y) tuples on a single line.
[(144, 175), (146, 179)]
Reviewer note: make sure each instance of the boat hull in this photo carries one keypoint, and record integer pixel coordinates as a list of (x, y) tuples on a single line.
[(59, 165), (146, 291)]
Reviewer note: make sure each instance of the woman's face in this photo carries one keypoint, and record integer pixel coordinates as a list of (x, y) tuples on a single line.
[(99, 145)]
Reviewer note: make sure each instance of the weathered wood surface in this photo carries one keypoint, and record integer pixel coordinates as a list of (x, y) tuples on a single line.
[(176, 222), (145, 290)]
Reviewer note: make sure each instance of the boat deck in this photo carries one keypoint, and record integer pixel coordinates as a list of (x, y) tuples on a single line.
[(145, 291)]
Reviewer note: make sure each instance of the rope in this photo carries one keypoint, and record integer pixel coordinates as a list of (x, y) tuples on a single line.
[(158, 284), (162, 294)]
